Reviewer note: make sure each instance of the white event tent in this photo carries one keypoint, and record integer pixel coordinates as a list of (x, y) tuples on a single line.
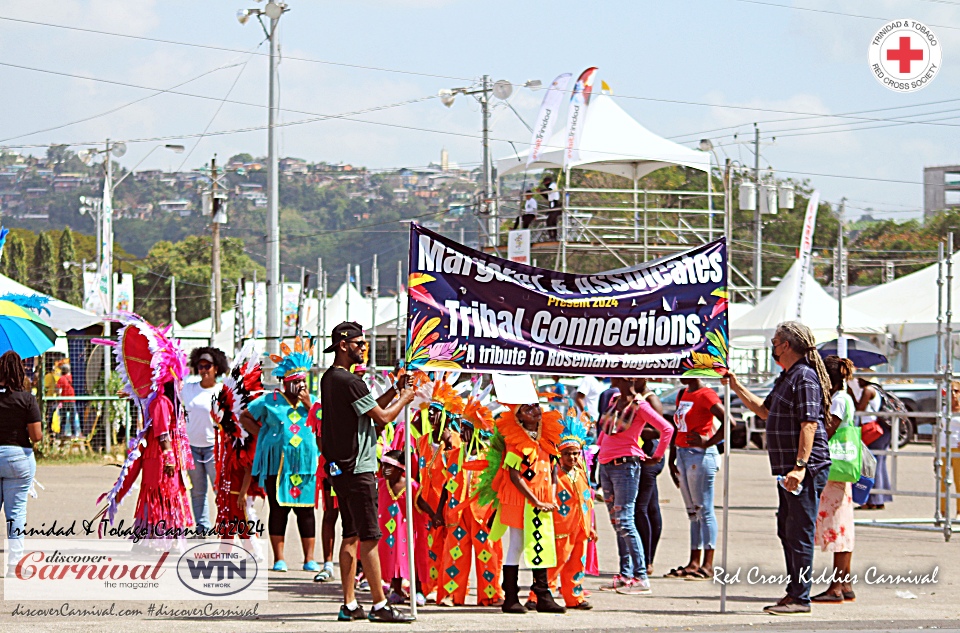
[(818, 311), (613, 142), (346, 304), (63, 316), (908, 305)]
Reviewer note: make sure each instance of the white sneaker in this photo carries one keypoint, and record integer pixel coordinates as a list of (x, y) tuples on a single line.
[(635, 587)]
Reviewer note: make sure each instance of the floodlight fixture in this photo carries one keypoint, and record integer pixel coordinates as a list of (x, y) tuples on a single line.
[(447, 96), (502, 89), (274, 10)]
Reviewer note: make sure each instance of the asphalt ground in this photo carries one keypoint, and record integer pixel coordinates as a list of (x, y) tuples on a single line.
[(298, 604)]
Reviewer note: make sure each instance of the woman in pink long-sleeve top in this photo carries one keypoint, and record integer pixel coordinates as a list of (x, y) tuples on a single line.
[(620, 457)]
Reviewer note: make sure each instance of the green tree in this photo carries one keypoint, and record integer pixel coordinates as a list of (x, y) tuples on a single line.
[(70, 285), (14, 262), (189, 261), (44, 274)]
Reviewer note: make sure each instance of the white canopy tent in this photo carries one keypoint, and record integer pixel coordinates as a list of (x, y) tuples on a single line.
[(63, 316), (613, 142), (346, 304), (819, 311), (908, 304)]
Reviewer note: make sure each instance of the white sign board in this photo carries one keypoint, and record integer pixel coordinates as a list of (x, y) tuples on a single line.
[(518, 246)]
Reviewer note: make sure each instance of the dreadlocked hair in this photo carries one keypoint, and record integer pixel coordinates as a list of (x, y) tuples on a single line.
[(800, 339), (839, 370), (11, 372)]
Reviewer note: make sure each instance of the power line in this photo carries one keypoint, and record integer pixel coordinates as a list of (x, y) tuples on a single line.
[(830, 12), (432, 75), (227, 49), (121, 107)]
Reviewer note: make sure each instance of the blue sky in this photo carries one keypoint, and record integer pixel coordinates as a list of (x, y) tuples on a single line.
[(731, 59)]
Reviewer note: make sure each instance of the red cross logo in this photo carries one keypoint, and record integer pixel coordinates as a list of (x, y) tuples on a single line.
[(905, 54)]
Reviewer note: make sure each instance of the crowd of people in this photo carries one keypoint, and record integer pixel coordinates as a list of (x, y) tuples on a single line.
[(494, 484)]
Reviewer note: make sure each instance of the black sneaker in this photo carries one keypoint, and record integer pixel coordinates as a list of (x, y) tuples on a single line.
[(389, 613), (347, 615)]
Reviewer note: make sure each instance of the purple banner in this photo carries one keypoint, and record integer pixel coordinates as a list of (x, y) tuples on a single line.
[(470, 311)]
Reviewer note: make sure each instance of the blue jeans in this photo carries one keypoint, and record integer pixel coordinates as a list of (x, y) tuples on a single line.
[(646, 515), (69, 417), (204, 469), (620, 484), (698, 469), (17, 468), (796, 526)]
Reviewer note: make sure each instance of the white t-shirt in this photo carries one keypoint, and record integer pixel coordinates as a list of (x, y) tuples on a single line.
[(198, 401), (838, 405), (553, 195), (954, 439), (591, 388), (530, 207)]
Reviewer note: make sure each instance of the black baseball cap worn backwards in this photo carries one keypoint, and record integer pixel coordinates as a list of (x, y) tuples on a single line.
[(343, 332)]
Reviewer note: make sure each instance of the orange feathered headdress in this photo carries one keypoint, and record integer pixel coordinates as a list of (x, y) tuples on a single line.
[(515, 435), (478, 415), (444, 394)]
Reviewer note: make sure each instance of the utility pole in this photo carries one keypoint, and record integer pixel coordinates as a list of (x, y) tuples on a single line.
[(347, 302), (254, 313), (758, 235), (273, 199), (215, 220), (374, 291), (173, 306), (841, 281), (487, 204)]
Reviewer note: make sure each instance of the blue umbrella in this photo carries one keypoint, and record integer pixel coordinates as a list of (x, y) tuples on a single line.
[(23, 331), (862, 353)]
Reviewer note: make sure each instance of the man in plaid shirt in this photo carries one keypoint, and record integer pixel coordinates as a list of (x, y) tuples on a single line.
[(797, 448)]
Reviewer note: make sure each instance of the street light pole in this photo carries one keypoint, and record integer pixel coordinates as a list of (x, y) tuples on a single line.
[(273, 198), (273, 11)]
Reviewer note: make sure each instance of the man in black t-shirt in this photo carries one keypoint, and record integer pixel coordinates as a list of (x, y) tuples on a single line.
[(352, 420)]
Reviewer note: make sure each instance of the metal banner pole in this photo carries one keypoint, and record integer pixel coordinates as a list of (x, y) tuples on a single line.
[(727, 228), (938, 367), (399, 308), (948, 380), (407, 460)]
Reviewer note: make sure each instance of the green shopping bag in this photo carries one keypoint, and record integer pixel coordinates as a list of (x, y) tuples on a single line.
[(846, 449)]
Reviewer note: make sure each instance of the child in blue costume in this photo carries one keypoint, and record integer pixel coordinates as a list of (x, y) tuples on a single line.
[(286, 459)]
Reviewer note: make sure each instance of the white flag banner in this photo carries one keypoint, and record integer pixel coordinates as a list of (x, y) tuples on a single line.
[(806, 245), (577, 114), (547, 117)]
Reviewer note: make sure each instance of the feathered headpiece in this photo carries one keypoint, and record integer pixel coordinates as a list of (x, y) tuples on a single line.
[(475, 411), (574, 430), (444, 395), (240, 387), (295, 363), (146, 358)]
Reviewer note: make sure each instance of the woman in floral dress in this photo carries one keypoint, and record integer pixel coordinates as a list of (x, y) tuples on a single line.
[(835, 518)]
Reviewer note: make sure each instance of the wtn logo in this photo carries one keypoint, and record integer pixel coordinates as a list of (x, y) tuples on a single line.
[(219, 569), (225, 569)]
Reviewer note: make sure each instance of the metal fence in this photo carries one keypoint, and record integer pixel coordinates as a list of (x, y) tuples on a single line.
[(94, 417)]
